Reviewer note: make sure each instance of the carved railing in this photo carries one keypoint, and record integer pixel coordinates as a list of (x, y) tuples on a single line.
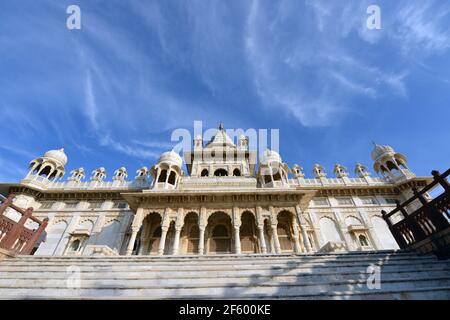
[(16, 236), (430, 219)]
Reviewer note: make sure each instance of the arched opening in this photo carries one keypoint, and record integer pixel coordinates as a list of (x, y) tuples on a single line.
[(236, 172), (268, 237), (151, 234), (172, 178), (191, 233), (284, 230), (221, 173), (248, 233), (205, 173), (391, 166), (75, 246), (163, 176), (46, 171), (363, 241), (219, 231), (267, 179), (276, 174), (168, 246)]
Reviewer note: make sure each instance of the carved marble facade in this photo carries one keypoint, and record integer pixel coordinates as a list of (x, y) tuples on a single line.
[(224, 204)]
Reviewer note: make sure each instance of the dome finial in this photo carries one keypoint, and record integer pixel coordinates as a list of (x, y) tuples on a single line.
[(221, 126)]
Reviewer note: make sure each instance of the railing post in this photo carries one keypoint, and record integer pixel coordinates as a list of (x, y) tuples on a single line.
[(35, 237), (441, 180), (397, 235), (402, 209), (8, 201), (431, 212)]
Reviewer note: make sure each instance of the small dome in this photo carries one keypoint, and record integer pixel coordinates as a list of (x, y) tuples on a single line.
[(57, 155), (242, 137), (171, 157), (270, 156), (199, 137), (380, 150)]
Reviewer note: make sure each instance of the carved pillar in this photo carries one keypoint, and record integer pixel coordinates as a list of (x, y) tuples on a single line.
[(178, 227), (201, 240), (237, 240), (297, 246), (162, 242), (260, 226), (305, 238), (134, 232), (237, 225), (262, 241), (276, 241), (202, 226), (135, 226), (176, 241)]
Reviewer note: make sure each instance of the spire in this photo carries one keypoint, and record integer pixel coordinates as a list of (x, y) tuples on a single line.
[(221, 126)]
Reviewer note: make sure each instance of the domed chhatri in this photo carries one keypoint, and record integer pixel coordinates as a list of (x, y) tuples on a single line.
[(57, 155), (270, 156), (171, 157), (380, 151)]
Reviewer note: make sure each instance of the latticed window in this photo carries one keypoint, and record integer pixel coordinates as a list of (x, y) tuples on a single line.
[(71, 205), (193, 239), (284, 237), (95, 205), (363, 240), (220, 240), (47, 205), (321, 202), (368, 200), (120, 205), (345, 201)]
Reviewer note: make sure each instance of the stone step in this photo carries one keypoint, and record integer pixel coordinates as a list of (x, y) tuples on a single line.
[(430, 293), (163, 281), (205, 267), (215, 291), (118, 261), (217, 270), (181, 274), (230, 257)]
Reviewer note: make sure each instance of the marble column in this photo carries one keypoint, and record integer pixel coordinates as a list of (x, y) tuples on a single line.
[(134, 232), (297, 247), (262, 241), (305, 238), (275, 238), (237, 240), (176, 241), (135, 227), (201, 240), (162, 242)]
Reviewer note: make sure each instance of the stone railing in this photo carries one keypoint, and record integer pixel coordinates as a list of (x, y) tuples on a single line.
[(369, 181), (217, 182), (16, 236), (43, 182)]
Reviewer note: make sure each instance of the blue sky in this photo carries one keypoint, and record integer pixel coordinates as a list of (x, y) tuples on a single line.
[(112, 92)]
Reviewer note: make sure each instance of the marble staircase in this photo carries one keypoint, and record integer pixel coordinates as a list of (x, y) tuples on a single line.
[(287, 276)]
